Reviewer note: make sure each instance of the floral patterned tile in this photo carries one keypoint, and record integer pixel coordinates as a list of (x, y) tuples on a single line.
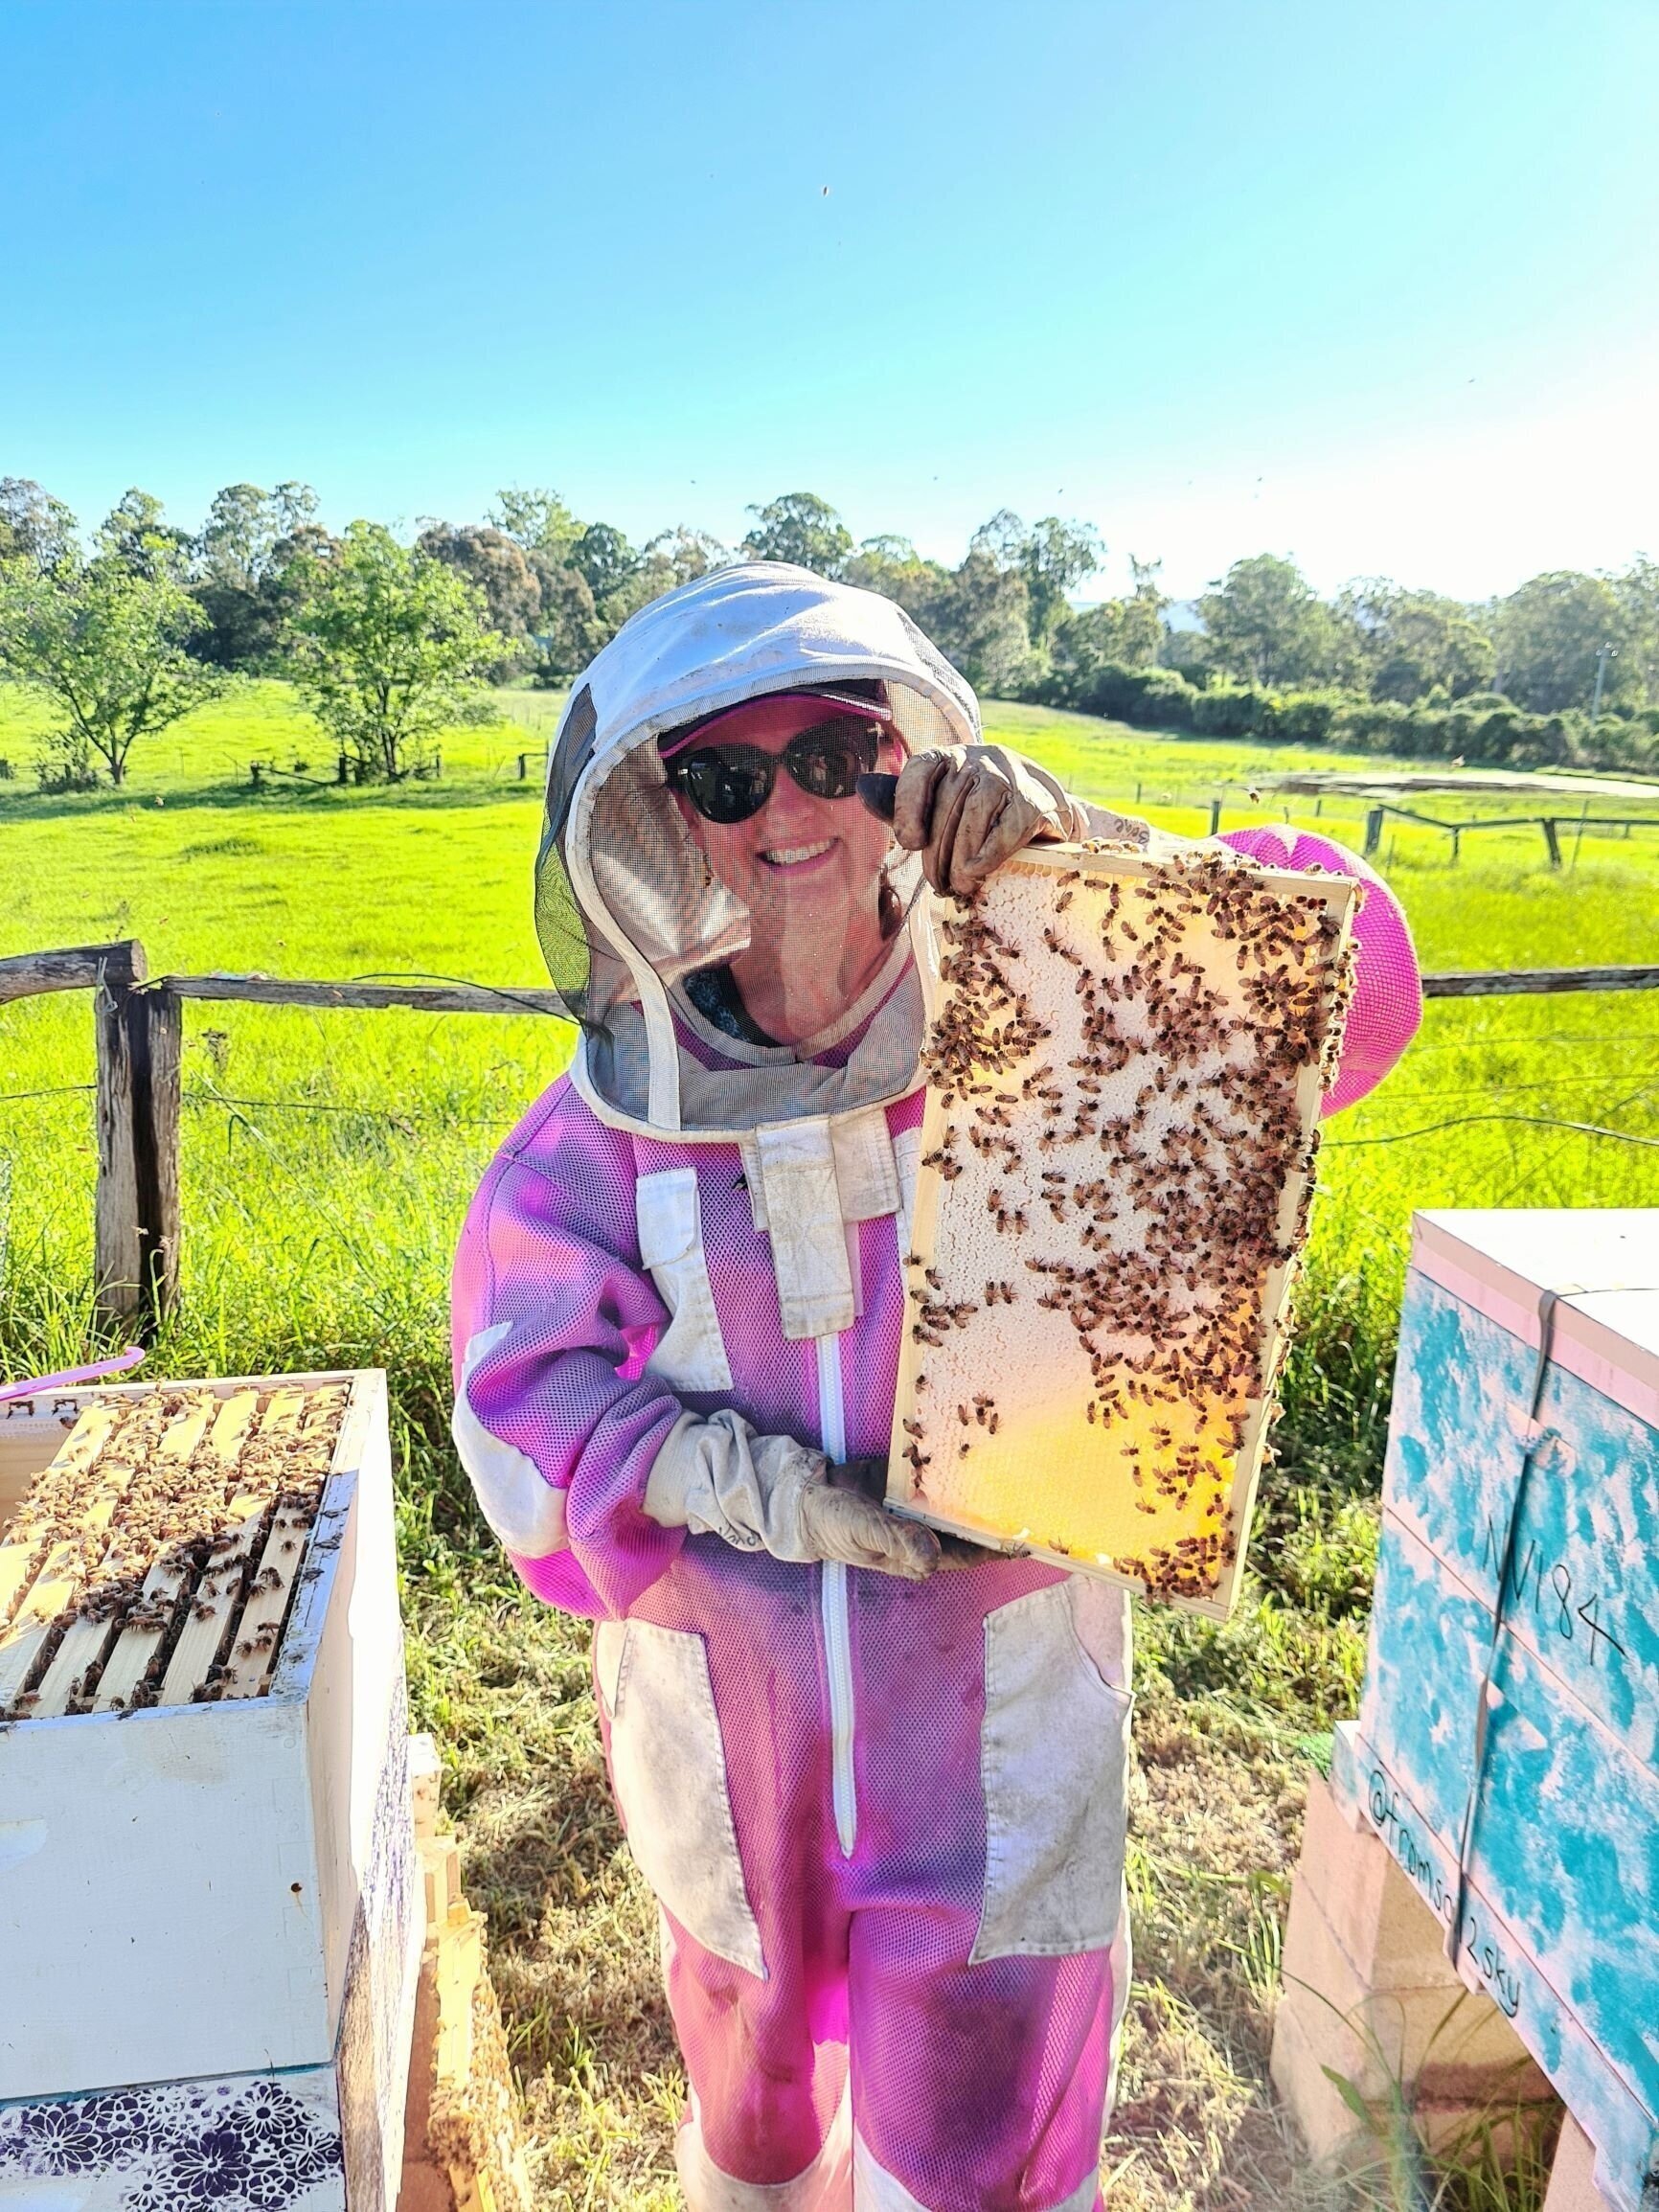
[(265, 2145)]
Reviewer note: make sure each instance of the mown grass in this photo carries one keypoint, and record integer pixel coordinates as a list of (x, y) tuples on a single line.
[(328, 1159)]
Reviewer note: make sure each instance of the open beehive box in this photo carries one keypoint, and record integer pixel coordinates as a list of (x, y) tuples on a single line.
[(1124, 1067), (209, 1922)]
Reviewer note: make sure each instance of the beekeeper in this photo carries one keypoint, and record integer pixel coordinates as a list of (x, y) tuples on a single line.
[(881, 1805)]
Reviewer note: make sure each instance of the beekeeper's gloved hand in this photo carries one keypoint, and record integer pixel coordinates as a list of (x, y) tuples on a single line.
[(870, 1475), (968, 808), (719, 1478), (961, 1551)]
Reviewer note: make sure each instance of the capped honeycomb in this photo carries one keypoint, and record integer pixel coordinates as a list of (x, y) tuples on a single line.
[(154, 1560), (1124, 1067)]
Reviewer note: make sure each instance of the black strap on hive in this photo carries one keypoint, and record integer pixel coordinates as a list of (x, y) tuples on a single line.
[(1548, 1301)]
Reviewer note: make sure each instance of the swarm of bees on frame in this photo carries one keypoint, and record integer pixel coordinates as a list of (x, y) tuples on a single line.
[(170, 1550), (1135, 1173)]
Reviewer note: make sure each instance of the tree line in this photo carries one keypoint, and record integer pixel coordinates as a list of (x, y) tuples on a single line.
[(391, 642)]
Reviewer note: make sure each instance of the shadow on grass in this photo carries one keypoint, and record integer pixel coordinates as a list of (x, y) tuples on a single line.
[(290, 799)]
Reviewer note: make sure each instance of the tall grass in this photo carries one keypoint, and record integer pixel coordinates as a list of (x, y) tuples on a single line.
[(328, 1158)]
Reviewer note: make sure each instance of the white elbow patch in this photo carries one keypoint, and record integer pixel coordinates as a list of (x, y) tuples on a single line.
[(520, 1505)]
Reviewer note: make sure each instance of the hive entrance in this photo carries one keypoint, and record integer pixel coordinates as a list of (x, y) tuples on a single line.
[(1123, 1082), (154, 1560)]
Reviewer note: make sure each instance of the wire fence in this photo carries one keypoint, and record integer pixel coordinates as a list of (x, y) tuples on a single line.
[(408, 1116), (1471, 1120), (140, 1101), (413, 1114)]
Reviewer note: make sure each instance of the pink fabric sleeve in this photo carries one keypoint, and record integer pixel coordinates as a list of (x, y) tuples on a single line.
[(553, 1317), (1388, 990)]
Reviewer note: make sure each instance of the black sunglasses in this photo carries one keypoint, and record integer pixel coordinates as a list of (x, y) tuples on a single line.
[(730, 783)]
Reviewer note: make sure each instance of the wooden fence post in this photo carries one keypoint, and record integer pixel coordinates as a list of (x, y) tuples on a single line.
[(135, 1214), (1214, 817), (1554, 842), (157, 1020), (1372, 830)]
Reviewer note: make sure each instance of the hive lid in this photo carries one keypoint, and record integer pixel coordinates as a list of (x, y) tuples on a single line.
[(1603, 1261)]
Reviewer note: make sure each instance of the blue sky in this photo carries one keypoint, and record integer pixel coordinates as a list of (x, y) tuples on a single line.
[(1376, 286)]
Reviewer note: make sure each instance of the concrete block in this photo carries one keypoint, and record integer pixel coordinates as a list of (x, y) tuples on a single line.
[(1384, 1927), (1337, 2137), (1438, 2037), (1330, 2128), (1573, 2176)]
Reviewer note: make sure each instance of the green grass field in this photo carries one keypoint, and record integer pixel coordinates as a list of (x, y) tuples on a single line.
[(328, 1159)]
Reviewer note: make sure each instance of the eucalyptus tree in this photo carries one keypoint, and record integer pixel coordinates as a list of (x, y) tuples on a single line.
[(104, 643), (389, 644)]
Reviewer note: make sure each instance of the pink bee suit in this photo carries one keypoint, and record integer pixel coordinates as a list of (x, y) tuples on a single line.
[(884, 1818)]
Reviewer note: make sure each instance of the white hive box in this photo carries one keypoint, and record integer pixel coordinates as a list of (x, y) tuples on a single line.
[(1124, 1066), (1542, 1588), (210, 1914)]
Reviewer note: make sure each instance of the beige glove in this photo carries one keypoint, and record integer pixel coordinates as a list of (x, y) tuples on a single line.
[(870, 1476), (968, 808), (719, 1478), (961, 1551)]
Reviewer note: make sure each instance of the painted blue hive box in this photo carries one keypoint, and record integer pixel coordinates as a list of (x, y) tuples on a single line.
[(1520, 1569)]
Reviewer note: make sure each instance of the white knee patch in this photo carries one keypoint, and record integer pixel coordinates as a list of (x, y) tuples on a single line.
[(826, 2186)]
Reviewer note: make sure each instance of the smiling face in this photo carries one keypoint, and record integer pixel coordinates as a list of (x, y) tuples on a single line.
[(807, 868), (801, 858)]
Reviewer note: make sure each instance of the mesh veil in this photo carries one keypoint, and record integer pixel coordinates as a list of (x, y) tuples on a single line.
[(628, 904)]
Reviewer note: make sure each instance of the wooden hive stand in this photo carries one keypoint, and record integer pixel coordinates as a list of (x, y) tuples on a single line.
[(462, 2140)]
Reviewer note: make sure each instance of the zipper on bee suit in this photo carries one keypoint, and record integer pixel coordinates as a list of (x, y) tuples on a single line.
[(837, 1625)]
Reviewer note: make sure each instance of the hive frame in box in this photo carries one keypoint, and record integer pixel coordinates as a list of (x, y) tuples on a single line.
[(1053, 865), (200, 1904), (1558, 1882)]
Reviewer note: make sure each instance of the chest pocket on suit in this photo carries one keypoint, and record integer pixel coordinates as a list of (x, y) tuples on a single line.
[(691, 1352)]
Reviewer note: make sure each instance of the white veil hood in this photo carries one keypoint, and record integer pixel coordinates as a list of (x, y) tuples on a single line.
[(624, 907)]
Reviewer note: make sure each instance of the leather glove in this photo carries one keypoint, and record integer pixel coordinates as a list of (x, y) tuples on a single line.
[(961, 1551), (968, 808), (719, 1478), (870, 1475)]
